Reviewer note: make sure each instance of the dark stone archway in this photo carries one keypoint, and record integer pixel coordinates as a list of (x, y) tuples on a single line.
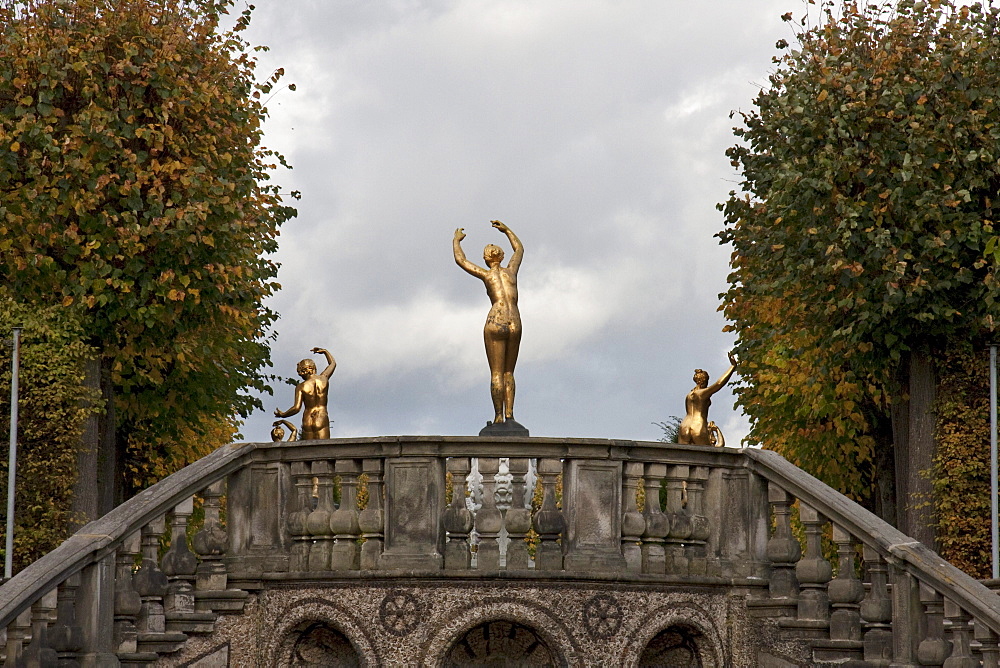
[(317, 644), (500, 643), (673, 646)]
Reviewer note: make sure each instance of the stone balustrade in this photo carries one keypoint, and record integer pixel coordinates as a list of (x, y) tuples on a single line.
[(529, 510)]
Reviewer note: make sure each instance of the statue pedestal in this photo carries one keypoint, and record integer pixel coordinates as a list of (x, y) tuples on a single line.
[(505, 428)]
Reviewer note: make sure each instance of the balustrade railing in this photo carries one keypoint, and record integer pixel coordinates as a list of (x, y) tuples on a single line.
[(547, 509)]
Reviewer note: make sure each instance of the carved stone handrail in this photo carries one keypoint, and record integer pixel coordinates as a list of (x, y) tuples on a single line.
[(101, 537), (923, 563)]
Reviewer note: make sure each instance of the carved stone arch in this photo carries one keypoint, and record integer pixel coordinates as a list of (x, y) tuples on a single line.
[(316, 627), (526, 617), (685, 626)]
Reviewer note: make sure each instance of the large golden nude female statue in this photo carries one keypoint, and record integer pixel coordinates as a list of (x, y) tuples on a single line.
[(502, 332), (311, 394)]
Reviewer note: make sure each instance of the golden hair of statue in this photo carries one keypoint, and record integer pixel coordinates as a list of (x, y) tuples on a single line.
[(502, 332), (695, 428), (311, 395)]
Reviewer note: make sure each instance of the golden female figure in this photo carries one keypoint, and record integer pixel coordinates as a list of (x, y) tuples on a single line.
[(312, 393), (502, 332), (694, 427)]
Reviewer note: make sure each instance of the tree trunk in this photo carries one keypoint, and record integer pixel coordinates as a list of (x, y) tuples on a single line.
[(913, 434)]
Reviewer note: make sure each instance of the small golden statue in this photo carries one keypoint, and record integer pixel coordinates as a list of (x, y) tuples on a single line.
[(695, 428), (312, 394), (278, 432), (502, 332)]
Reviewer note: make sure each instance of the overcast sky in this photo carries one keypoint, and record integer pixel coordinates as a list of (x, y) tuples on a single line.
[(596, 130)]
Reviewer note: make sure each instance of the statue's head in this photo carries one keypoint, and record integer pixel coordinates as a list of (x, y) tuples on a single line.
[(700, 378), (493, 255), (306, 368), (277, 433)]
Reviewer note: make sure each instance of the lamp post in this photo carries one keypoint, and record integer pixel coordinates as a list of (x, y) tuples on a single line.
[(8, 565)]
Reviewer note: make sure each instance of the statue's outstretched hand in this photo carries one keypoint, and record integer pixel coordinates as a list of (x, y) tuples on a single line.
[(732, 358), (318, 350), (459, 234), (500, 226)]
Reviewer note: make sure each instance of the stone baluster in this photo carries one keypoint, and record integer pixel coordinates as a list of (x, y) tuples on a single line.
[(127, 601), (66, 636), (489, 521), (180, 564), (371, 520), (633, 522), (149, 581), (301, 539), (517, 518), (907, 613), (346, 552), (18, 631), (39, 652), (657, 523), (697, 545), (813, 572), (680, 524), (876, 611), (457, 518), (318, 521), (210, 544), (548, 520), (989, 645), (845, 592), (784, 552), (961, 637), (933, 648)]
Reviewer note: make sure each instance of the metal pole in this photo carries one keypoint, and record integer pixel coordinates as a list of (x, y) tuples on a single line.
[(15, 361), (995, 532)]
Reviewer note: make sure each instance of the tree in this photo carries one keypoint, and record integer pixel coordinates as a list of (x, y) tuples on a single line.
[(133, 186), (870, 173), (54, 404)]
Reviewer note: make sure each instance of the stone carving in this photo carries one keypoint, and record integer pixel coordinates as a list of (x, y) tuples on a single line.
[(602, 616), (399, 612)]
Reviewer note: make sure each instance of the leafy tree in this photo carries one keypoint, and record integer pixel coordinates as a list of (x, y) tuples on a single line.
[(53, 404), (870, 172), (133, 185)]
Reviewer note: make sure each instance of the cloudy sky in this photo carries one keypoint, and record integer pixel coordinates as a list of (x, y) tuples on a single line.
[(595, 129)]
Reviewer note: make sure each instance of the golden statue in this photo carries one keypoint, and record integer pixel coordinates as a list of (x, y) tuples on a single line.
[(502, 332), (312, 394), (278, 432), (695, 428)]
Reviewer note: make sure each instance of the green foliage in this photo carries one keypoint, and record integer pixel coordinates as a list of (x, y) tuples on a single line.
[(671, 428), (53, 405), (962, 475), (133, 185), (870, 169)]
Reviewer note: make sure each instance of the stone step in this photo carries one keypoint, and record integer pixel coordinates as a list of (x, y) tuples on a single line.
[(161, 643), (191, 623), (223, 602)]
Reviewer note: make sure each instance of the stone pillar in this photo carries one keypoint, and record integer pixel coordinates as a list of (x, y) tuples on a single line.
[(457, 518), (680, 523), (488, 519), (127, 601), (346, 554), (961, 640), (301, 540), (846, 592), (318, 521), (784, 552), (95, 612), (548, 520), (933, 649), (657, 523), (371, 520), (813, 571), (150, 581), (633, 522), (696, 548), (517, 519), (66, 636), (414, 499), (876, 610)]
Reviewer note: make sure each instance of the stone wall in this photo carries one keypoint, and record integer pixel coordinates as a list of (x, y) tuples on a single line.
[(401, 622)]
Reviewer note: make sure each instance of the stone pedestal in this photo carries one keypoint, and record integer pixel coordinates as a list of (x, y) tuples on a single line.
[(414, 499), (592, 494)]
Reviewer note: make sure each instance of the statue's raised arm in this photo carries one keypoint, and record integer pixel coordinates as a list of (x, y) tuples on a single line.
[(515, 243), (461, 260)]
